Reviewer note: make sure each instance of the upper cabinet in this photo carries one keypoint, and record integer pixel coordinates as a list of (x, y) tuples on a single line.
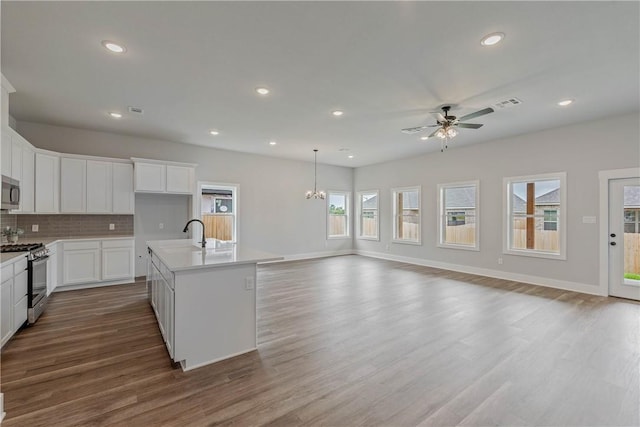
[(93, 185), (154, 176), (47, 182), (18, 162)]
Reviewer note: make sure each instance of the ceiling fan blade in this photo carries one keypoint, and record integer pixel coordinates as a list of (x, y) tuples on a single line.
[(476, 114), (439, 117), (413, 130), (468, 125), (434, 133)]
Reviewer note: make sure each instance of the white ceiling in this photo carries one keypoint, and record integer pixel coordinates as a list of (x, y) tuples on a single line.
[(193, 66)]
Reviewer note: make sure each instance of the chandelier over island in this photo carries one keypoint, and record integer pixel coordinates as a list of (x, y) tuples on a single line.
[(315, 194)]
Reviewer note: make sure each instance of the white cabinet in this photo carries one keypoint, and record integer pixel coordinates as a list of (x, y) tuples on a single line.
[(16, 157), (162, 300), (20, 301), (81, 262), (99, 186), (117, 259), (155, 176), (73, 185), (122, 185), (150, 177), (47, 183), (5, 153), (180, 179), (52, 268), (27, 184), (6, 308)]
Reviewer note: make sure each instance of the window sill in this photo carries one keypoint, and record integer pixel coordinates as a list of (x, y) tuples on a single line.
[(406, 242), (536, 254), (373, 239), (462, 247), (338, 237)]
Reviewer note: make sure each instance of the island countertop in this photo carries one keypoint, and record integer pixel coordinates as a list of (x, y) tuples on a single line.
[(182, 254)]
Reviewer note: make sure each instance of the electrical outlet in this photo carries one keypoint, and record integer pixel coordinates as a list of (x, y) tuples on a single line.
[(161, 226), (249, 283), (34, 228), (500, 261), (386, 247), (112, 226)]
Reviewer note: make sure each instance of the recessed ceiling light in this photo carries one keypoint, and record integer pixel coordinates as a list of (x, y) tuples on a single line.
[(115, 115), (262, 90), (272, 143), (424, 138), (337, 113), (565, 102), (113, 47), (492, 39), (350, 156), (214, 132)]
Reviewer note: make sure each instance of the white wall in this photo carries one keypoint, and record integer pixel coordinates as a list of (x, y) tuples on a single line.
[(273, 212), (580, 150)]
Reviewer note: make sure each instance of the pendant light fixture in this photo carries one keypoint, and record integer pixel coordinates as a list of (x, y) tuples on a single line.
[(315, 194)]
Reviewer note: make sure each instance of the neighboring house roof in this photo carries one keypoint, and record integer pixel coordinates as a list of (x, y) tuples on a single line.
[(550, 198), (632, 196), (461, 198), (371, 203), (410, 200)]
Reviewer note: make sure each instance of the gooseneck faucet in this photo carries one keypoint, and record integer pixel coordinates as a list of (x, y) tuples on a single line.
[(186, 227)]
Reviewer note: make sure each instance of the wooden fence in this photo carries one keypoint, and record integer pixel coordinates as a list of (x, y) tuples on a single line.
[(460, 234), (218, 226), (632, 253)]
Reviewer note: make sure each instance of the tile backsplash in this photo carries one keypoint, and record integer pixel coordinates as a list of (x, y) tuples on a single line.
[(8, 220), (70, 226)]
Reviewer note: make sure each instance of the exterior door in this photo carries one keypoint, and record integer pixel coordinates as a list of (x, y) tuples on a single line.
[(624, 238)]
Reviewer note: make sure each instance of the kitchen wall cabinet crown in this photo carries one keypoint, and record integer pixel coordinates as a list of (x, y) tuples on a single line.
[(156, 176)]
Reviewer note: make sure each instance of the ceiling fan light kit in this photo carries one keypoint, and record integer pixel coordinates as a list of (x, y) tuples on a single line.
[(447, 125)]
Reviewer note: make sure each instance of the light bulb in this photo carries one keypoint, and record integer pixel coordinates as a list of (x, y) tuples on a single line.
[(451, 132), (440, 133)]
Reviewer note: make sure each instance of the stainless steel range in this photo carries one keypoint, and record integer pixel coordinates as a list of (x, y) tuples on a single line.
[(37, 255)]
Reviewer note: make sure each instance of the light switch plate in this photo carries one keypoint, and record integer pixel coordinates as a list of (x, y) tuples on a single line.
[(34, 228), (112, 226)]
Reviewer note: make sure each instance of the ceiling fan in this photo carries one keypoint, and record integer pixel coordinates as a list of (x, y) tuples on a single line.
[(446, 125)]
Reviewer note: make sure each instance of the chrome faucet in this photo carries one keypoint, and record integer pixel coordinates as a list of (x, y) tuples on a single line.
[(204, 241)]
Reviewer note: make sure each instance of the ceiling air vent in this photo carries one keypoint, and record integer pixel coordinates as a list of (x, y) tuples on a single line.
[(507, 103), (136, 110)]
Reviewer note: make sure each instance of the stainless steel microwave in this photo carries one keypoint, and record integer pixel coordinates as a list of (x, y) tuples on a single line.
[(10, 193)]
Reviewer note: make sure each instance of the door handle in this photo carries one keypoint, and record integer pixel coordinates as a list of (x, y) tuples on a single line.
[(612, 243), (612, 235)]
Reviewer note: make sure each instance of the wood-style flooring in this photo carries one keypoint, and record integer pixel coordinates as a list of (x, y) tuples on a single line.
[(343, 341)]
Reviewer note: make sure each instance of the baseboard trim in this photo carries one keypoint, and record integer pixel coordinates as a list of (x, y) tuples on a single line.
[(63, 288), (487, 272), (312, 255)]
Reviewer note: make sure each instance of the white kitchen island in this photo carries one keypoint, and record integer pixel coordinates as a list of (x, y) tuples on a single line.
[(204, 299)]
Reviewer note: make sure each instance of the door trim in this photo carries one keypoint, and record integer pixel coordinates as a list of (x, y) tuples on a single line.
[(603, 240)]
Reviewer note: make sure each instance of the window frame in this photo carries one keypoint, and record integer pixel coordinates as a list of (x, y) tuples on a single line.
[(394, 221), (359, 210), (442, 217), (347, 215), (561, 216)]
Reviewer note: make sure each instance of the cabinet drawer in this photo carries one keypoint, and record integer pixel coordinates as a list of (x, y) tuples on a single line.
[(88, 244), (20, 265), (7, 272), (20, 286), (124, 243)]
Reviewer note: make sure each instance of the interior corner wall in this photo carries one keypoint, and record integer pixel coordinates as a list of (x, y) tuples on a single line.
[(273, 214), (580, 150)]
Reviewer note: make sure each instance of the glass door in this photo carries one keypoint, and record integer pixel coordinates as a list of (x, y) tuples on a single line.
[(624, 238)]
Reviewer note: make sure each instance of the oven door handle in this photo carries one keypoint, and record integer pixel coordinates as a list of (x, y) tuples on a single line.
[(40, 260)]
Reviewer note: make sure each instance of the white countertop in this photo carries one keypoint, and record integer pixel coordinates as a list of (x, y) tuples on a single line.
[(182, 254)]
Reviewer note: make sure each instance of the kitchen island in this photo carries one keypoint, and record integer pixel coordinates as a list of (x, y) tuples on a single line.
[(204, 298)]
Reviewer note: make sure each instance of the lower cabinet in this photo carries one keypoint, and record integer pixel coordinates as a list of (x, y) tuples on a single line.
[(13, 298), (6, 310), (96, 261), (161, 299)]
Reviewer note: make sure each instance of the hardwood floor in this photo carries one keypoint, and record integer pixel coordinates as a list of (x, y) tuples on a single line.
[(342, 341)]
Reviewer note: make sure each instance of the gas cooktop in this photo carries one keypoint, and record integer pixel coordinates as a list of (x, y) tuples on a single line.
[(20, 247)]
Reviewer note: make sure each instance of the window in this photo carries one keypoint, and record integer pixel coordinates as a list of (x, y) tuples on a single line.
[(458, 210), (218, 210), (535, 215), (632, 220), (406, 215), (338, 208), (368, 225)]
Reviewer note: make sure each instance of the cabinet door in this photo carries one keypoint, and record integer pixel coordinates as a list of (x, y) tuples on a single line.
[(73, 181), (150, 177), (47, 183), (52, 272), (99, 192), (6, 311), (5, 154), (81, 266), (27, 185), (20, 311), (168, 317), (16, 158), (117, 263), (123, 197), (180, 179)]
